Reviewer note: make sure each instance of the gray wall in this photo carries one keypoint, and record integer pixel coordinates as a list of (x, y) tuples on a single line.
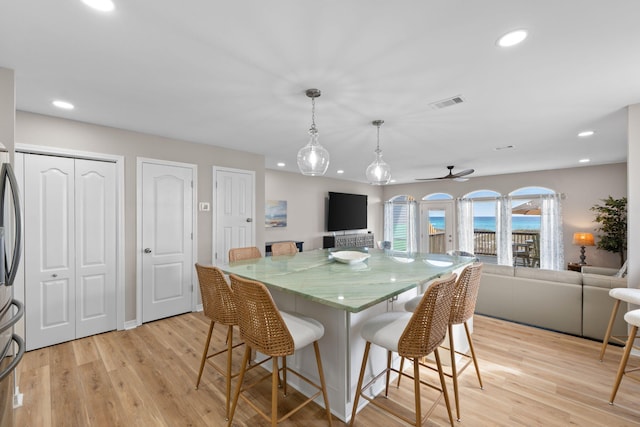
[(42, 130), (583, 187), (306, 205)]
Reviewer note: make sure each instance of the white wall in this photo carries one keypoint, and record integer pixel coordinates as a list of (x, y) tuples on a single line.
[(306, 205), (633, 222), (7, 109), (583, 187), (48, 131)]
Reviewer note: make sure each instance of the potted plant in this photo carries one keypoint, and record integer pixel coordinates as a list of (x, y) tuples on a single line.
[(612, 217)]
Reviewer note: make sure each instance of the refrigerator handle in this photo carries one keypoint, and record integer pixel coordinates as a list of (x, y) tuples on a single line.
[(7, 173), (18, 357), (9, 323)]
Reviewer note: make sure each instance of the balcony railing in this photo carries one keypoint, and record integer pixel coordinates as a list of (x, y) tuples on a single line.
[(484, 241)]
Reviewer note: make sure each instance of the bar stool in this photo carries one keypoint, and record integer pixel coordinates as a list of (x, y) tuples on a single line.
[(276, 334), (632, 318), (219, 306), (629, 295), (283, 248), (462, 309), (413, 335), (239, 254)]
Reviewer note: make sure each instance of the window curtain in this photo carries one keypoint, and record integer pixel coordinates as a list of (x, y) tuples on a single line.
[(551, 243), (504, 240), (464, 213), (401, 225)]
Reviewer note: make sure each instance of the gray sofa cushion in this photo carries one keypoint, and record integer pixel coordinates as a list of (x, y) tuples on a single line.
[(504, 270), (570, 277), (600, 281)]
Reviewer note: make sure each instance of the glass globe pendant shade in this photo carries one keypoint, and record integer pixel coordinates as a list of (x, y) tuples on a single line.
[(378, 172), (313, 158)]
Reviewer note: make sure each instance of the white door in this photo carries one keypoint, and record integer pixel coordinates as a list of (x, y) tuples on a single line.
[(167, 227), (70, 248), (437, 226), (50, 291), (95, 186), (235, 212)]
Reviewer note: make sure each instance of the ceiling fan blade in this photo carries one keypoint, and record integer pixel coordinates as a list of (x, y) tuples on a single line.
[(463, 173)]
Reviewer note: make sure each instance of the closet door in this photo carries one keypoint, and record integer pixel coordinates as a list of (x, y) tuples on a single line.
[(49, 250), (95, 211)]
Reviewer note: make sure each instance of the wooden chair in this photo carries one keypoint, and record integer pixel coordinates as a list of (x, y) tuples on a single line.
[(274, 334), (628, 295), (239, 254), (283, 248), (219, 306), (414, 336), (633, 319), (463, 306)]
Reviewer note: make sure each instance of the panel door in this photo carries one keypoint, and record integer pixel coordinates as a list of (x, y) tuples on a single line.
[(167, 226), (235, 227), (50, 250), (95, 186), (437, 226)]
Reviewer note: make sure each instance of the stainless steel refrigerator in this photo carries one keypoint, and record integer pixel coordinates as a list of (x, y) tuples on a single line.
[(11, 345)]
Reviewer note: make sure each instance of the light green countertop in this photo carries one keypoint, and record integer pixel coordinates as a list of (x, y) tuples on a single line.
[(315, 275)]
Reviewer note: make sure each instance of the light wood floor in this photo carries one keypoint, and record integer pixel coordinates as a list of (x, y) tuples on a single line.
[(146, 377)]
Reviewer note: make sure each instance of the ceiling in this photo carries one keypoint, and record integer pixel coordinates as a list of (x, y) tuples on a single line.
[(234, 74)]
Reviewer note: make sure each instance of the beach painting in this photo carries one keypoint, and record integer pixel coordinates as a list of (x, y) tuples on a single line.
[(276, 213)]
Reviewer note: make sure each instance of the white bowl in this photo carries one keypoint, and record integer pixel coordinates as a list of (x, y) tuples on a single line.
[(349, 257)]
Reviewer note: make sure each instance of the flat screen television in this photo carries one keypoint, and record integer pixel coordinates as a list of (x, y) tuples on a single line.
[(347, 212)]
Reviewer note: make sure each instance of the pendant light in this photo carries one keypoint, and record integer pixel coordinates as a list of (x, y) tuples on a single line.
[(313, 158), (378, 172)]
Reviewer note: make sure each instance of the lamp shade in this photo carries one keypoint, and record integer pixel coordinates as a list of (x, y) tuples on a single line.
[(583, 239)]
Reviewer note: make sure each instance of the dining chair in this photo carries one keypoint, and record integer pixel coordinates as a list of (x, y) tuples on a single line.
[(633, 319), (275, 334), (283, 248), (414, 336), (219, 306), (463, 306), (239, 254), (628, 295)]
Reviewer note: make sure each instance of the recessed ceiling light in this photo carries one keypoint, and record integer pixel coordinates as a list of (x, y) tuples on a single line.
[(340, 171), (281, 164), (586, 133), (63, 104), (101, 5), (513, 38), (584, 160)]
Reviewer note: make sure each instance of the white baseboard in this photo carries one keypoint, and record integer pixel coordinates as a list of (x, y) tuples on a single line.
[(131, 324)]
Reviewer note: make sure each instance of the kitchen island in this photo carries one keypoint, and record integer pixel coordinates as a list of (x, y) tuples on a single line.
[(343, 296)]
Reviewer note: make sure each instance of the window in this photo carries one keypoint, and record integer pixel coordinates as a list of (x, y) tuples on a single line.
[(400, 223)]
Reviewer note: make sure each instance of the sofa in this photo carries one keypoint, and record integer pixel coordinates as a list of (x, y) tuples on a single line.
[(576, 303)]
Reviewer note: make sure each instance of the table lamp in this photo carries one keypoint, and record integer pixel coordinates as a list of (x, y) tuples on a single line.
[(582, 240)]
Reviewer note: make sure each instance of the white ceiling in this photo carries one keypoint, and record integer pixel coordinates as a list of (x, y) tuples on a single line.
[(234, 74)]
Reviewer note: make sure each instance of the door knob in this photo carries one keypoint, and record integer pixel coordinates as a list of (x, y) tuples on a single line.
[(147, 250), (54, 275), (249, 219)]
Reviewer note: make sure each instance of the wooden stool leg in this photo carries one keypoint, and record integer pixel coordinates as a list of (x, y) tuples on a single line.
[(416, 391), (204, 354), (360, 379), (322, 382), (228, 379), (623, 362), (274, 392), (245, 361), (454, 372), (473, 354), (443, 385), (401, 369), (607, 335), (386, 388)]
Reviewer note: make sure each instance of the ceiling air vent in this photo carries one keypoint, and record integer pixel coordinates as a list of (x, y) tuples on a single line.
[(447, 102)]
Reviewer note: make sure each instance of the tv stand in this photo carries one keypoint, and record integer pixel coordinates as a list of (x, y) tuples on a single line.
[(358, 240)]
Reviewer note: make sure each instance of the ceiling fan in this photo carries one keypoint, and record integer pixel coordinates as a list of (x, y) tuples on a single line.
[(454, 176)]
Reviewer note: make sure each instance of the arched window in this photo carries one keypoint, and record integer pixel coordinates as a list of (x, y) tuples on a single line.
[(437, 196)]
